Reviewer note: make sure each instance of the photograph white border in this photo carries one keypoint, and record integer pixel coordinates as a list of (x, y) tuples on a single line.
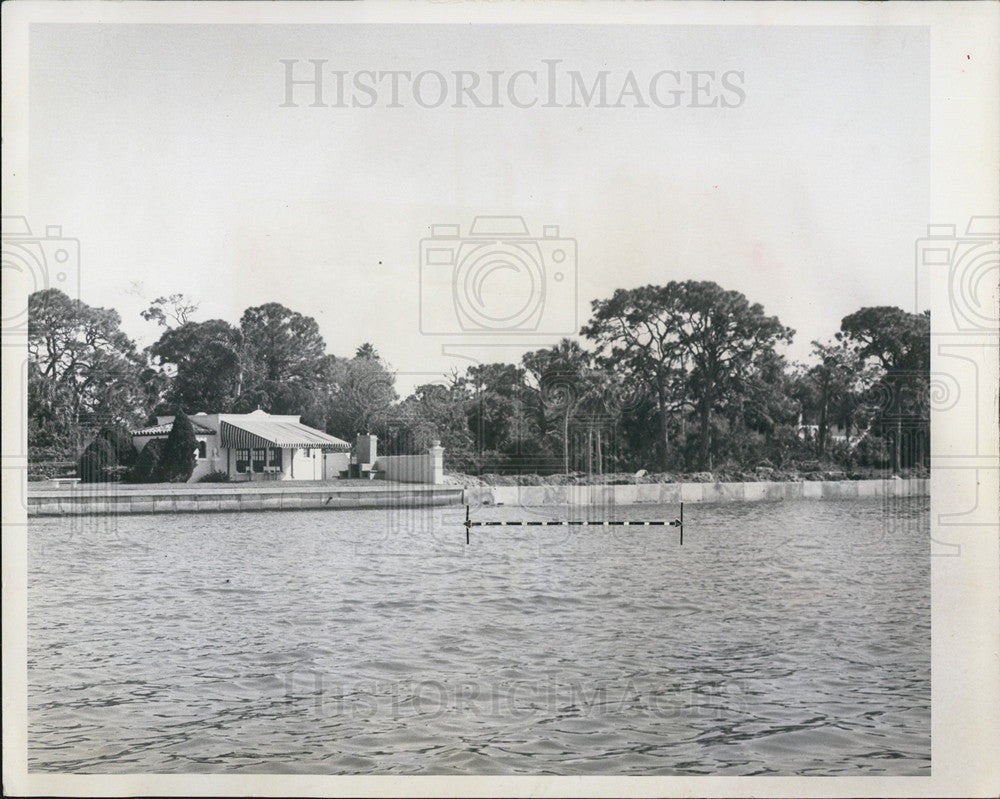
[(964, 182)]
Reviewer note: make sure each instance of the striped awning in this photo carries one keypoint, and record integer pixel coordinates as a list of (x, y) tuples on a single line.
[(253, 434)]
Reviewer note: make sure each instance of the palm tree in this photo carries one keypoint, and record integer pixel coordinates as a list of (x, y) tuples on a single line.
[(560, 372), (367, 350)]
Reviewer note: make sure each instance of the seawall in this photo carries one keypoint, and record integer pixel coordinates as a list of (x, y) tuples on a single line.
[(116, 498), (673, 493)]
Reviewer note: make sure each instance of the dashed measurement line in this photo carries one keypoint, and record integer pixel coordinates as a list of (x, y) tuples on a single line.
[(679, 522)]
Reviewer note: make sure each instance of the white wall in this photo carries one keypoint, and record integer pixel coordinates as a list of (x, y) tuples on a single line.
[(427, 468), (335, 463), (609, 496), (202, 466)]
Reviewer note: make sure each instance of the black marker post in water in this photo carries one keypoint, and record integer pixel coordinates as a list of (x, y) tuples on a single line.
[(679, 522)]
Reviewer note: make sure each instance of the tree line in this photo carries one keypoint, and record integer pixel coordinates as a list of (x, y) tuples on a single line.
[(682, 377)]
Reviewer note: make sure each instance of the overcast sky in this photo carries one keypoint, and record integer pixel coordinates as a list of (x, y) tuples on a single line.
[(166, 150)]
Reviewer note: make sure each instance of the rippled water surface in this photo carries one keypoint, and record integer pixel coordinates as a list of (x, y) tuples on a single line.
[(785, 637)]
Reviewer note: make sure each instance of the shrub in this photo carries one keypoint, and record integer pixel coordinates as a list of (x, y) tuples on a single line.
[(120, 441), (146, 464), (44, 470), (95, 462), (118, 473), (178, 459), (106, 459), (872, 451), (214, 476)]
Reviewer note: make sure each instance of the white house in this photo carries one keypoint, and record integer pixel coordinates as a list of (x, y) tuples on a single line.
[(257, 446)]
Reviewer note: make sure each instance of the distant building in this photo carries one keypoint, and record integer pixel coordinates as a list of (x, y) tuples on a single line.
[(834, 433), (257, 446)]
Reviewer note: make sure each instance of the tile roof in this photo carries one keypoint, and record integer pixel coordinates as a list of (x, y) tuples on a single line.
[(164, 429)]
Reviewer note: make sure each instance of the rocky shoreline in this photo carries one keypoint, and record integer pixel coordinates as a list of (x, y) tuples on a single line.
[(759, 475)]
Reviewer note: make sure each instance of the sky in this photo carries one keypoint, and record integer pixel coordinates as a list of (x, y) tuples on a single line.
[(166, 150)]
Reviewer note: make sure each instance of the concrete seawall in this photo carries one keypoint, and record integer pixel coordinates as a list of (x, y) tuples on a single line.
[(117, 498), (672, 493)]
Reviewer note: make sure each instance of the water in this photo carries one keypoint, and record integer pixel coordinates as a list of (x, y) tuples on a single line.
[(782, 638)]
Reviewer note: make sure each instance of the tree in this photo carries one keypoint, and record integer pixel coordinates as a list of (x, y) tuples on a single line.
[(53, 434), (723, 338), (560, 374), (899, 343), (436, 411), (275, 361), (207, 362), (636, 330), (632, 411), (835, 382), (316, 402), (175, 309), (691, 342), (755, 418), (83, 373), (362, 398), (179, 457), (284, 358), (895, 338), (496, 412), (600, 404), (367, 350)]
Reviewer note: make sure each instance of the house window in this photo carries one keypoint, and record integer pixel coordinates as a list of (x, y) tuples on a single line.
[(258, 460), (242, 460), (202, 450), (274, 457)]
